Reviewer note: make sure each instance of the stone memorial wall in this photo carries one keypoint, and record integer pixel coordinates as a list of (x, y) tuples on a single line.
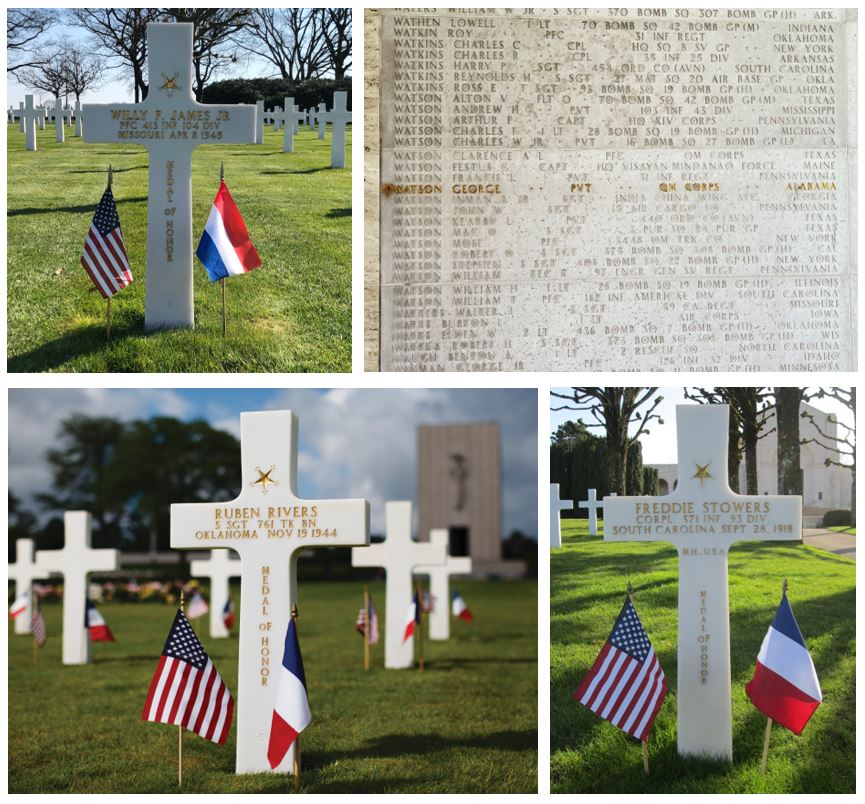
[(611, 189)]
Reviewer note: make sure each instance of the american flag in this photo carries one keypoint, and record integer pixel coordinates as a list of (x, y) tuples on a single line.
[(186, 690), (626, 684), (360, 624), (104, 256), (37, 625)]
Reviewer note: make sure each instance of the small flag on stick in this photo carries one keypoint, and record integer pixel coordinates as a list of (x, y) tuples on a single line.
[(95, 624), (197, 607), (228, 614), (459, 608), (37, 626), (412, 618), (626, 684), (19, 606)]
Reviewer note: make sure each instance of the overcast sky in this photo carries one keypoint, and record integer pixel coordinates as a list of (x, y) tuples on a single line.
[(353, 443), (660, 445)]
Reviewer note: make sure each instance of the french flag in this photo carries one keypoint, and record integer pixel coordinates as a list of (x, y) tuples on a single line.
[(459, 607), (412, 617), (225, 248), (291, 710), (19, 606), (228, 614), (95, 623), (785, 686)]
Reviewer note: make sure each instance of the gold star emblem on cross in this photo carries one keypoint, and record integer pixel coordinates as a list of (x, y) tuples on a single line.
[(702, 473), (170, 83), (264, 479)]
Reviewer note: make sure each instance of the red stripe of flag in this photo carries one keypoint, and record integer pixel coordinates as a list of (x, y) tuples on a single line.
[(154, 683), (166, 689), (181, 688), (235, 229)]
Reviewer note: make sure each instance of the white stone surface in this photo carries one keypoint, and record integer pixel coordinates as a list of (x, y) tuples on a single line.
[(399, 555), (79, 120), (556, 506), (170, 123), (338, 117), (592, 504), (259, 122), (21, 117), (440, 584), (220, 567), (288, 116), (22, 573), (75, 562), (322, 110), (702, 518), (617, 189), (59, 120), (29, 119), (268, 526)]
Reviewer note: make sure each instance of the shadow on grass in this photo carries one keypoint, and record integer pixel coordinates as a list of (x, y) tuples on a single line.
[(289, 172), (453, 664), (344, 212), (113, 170), (84, 340), (80, 208)]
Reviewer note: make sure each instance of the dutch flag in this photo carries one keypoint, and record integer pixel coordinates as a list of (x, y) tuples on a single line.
[(225, 248), (785, 686), (291, 709), (96, 625)]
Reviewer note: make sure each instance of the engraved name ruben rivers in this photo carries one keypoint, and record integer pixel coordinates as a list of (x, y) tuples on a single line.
[(650, 188), (272, 522)]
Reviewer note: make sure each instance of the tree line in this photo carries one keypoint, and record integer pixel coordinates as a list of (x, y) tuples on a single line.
[(298, 44), (623, 415)]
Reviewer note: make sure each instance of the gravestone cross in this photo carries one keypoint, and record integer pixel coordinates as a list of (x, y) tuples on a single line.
[(288, 116), (75, 562), (268, 525), (220, 566), (557, 505), (593, 504), (59, 120), (338, 117), (703, 518), (30, 116), (259, 122), (170, 123), (400, 555), (79, 121), (311, 119), (439, 588), (322, 110), (24, 571), (21, 116), (288, 103), (43, 117)]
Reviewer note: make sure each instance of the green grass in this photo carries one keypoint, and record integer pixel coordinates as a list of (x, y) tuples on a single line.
[(468, 723), (293, 314), (844, 529), (588, 580)]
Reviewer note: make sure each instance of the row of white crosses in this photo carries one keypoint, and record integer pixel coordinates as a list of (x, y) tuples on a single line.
[(29, 116), (74, 562), (593, 504)]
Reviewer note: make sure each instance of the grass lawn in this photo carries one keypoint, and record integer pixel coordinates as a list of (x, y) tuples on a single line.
[(588, 580), (468, 723), (292, 314), (850, 530)]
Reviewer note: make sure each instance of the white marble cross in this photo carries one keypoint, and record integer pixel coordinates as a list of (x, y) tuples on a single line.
[(593, 504), (75, 562), (59, 120), (338, 117), (557, 505), (288, 116), (268, 525), (24, 571), (703, 519), (322, 110), (439, 575), (311, 119), (21, 117), (298, 115), (170, 123), (259, 122), (79, 120), (399, 555), (67, 113), (219, 567), (30, 116), (43, 117)]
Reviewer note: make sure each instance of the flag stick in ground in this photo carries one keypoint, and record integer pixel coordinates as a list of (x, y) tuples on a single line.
[(420, 624), (222, 281), (644, 742), (108, 301), (180, 729), (366, 627), (294, 617)]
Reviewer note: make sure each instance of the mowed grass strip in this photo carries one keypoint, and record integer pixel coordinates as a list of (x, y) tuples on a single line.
[(467, 723), (588, 584), (293, 314)]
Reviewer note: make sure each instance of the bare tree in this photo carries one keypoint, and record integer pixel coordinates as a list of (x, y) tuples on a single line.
[(82, 71), (613, 410), (337, 40), (215, 30), (291, 39), (120, 35), (24, 27), (843, 442), (47, 75), (788, 401)]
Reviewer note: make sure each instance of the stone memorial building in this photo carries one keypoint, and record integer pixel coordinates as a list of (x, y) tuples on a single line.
[(459, 489)]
